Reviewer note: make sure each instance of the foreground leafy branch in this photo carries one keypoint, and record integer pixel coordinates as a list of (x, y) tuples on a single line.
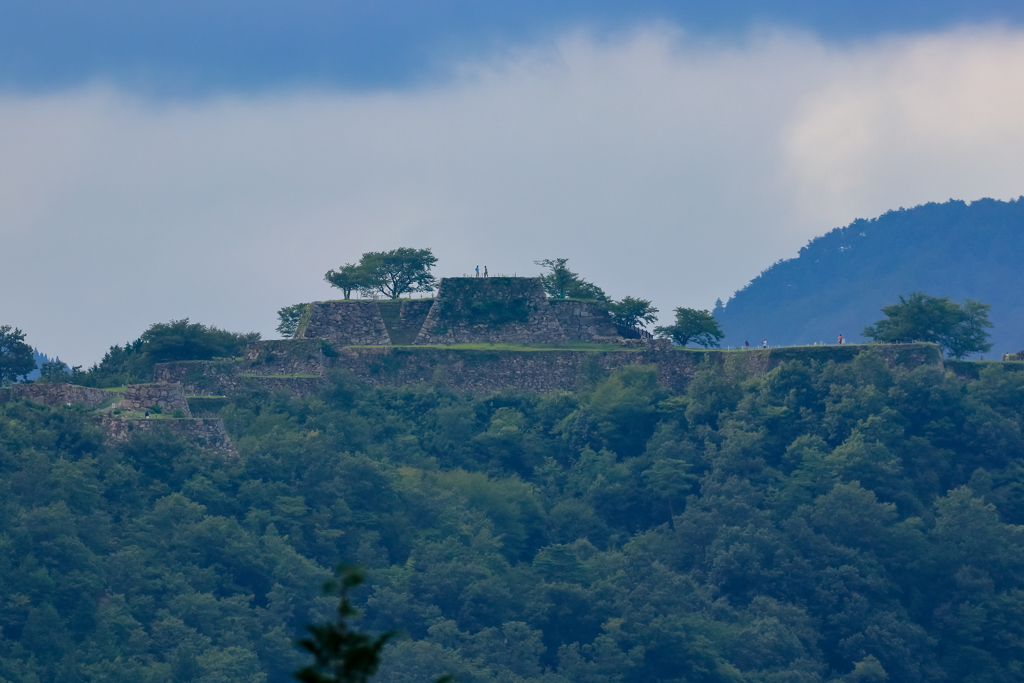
[(343, 655)]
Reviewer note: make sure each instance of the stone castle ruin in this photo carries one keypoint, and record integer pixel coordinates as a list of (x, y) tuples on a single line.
[(511, 310), (425, 341)]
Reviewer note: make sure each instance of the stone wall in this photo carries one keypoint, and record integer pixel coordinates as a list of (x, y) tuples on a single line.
[(497, 309), (199, 377), (205, 432), (404, 318), (547, 371), (584, 320), (284, 357), (296, 386), (58, 394), (542, 371), (481, 370), (414, 314), (344, 322), (220, 378), (168, 396)]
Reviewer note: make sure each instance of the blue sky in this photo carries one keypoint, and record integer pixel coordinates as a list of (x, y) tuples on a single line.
[(201, 47), (212, 160)]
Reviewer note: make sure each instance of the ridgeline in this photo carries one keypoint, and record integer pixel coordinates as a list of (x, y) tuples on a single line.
[(840, 281)]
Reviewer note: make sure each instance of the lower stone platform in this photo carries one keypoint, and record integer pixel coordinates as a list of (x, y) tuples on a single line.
[(207, 433)]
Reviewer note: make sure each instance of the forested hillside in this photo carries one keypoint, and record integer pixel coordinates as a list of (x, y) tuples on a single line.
[(824, 522), (840, 281)]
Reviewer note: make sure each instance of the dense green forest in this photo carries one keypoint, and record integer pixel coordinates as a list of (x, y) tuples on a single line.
[(823, 522), (840, 281)]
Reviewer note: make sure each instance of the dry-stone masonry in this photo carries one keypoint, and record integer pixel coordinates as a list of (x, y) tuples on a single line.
[(497, 309), (220, 378), (346, 323), (466, 310), (584, 320), (284, 357), (547, 371), (206, 432), (199, 377), (169, 397), (58, 394), (414, 313), (533, 370)]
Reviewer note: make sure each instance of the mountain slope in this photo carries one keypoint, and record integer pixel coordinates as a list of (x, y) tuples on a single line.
[(840, 281)]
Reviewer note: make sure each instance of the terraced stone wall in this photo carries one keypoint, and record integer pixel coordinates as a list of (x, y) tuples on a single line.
[(547, 371), (584, 320), (199, 377), (168, 396), (219, 378), (344, 323), (205, 432), (57, 394), (413, 314), (284, 357), (497, 309), (542, 371)]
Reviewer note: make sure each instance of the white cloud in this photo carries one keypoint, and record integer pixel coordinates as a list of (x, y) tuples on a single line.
[(662, 165)]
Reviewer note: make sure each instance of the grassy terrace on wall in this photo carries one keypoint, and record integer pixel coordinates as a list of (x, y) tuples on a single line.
[(971, 369)]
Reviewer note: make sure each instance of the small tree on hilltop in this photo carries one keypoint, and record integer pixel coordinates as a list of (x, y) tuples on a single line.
[(958, 330), (969, 335), (560, 282), (397, 272), (632, 314), (16, 357), (348, 278), (289, 318), (691, 325)]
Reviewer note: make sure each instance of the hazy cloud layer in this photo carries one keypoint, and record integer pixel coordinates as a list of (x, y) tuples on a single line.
[(663, 166)]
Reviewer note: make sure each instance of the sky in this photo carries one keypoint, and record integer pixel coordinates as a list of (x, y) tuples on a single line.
[(212, 160)]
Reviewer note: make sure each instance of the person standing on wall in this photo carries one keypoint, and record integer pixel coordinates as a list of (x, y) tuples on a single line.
[(840, 339), (478, 271), (485, 271)]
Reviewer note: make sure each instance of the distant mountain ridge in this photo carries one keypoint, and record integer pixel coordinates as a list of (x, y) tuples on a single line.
[(40, 358), (840, 281)]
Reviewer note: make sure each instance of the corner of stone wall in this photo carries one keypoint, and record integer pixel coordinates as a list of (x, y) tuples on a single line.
[(585, 320), (355, 323)]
